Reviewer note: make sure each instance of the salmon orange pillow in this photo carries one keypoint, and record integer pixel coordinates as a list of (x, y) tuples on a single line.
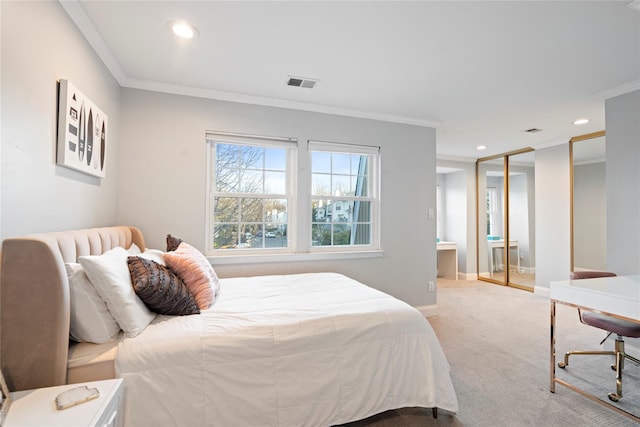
[(196, 272)]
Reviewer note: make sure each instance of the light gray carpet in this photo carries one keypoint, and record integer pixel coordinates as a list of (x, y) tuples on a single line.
[(497, 342)]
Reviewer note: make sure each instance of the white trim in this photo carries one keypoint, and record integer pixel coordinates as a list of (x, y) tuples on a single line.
[(82, 21), (456, 159), (467, 276), (542, 291), (428, 310), (249, 139), (273, 102), (551, 144), (239, 258), (620, 90), (339, 147)]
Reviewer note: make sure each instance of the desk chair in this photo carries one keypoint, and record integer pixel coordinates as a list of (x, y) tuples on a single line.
[(613, 325)]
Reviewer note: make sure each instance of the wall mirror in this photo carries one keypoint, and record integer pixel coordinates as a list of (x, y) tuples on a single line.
[(588, 202)]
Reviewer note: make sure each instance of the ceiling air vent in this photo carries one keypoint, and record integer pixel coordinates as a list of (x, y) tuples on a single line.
[(533, 130), (301, 82)]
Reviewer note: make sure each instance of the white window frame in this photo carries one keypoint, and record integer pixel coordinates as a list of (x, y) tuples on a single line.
[(492, 208), (298, 205), (373, 153), (291, 146), (439, 212)]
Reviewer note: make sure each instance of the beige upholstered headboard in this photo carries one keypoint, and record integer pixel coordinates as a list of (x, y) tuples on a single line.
[(34, 300)]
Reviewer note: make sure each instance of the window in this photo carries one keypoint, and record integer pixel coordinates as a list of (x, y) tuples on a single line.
[(257, 201), (439, 213), (492, 210), (344, 200), (249, 193)]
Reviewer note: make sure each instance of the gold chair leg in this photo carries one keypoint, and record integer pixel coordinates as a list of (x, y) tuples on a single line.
[(626, 356), (620, 356), (593, 353), (618, 366)]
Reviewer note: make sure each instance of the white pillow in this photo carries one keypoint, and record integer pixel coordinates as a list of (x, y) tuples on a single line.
[(133, 249), (110, 276), (153, 254), (91, 320)]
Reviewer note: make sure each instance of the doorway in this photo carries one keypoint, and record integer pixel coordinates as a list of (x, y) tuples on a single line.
[(506, 219)]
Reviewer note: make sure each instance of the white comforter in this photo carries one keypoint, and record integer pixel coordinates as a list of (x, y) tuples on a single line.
[(293, 350)]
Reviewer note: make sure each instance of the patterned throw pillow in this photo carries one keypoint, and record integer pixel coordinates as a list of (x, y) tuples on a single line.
[(196, 272), (172, 243), (160, 289)]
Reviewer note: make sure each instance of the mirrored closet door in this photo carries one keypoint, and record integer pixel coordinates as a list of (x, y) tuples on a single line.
[(589, 202), (505, 191), (491, 196)]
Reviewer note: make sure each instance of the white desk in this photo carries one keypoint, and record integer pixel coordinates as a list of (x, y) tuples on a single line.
[(616, 296), (499, 244), (448, 260)]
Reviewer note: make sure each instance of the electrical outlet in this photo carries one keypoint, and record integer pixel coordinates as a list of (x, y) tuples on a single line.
[(432, 286), (431, 213)]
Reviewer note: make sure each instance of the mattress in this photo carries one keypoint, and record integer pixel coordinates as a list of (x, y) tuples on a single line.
[(292, 350), (91, 362)]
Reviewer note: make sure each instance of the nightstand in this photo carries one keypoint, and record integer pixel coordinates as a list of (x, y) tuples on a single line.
[(38, 408)]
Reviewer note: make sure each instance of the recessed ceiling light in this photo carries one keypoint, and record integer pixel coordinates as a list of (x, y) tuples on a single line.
[(183, 29), (581, 121), (481, 147)]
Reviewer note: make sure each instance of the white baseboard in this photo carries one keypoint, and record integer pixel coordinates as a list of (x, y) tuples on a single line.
[(467, 276), (428, 310)]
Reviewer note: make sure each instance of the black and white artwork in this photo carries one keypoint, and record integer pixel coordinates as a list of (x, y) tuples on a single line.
[(82, 132)]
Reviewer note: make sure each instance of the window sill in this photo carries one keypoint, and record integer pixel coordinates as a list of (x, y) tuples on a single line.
[(289, 257)]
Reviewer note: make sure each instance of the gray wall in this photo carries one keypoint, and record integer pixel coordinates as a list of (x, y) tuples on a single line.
[(40, 45), (156, 157), (460, 188), (552, 215), (155, 175), (622, 115), (162, 168), (456, 214)]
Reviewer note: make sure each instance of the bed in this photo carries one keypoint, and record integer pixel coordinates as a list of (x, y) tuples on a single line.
[(313, 349)]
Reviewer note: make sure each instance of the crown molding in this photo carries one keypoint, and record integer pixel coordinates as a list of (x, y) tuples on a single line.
[(551, 144), (620, 90), (272, 102), (77, 14), (455, 159)]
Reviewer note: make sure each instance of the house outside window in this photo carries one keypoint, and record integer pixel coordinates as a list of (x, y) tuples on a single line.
[(344, 196)]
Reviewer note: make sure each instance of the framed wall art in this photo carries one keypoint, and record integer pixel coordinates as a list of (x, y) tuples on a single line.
[(82, 132)]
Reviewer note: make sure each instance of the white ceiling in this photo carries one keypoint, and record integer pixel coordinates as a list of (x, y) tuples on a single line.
[(480, 72)]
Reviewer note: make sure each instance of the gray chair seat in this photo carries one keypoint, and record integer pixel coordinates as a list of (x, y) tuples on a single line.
[(611, 324)]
